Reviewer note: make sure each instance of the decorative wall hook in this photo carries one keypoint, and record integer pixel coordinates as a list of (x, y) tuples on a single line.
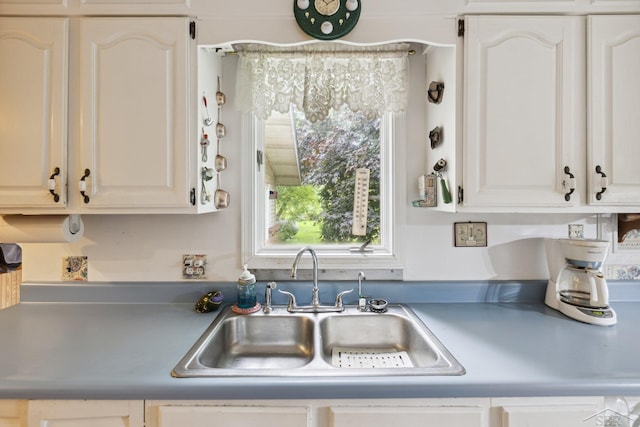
[(435, 92), (435, 136)]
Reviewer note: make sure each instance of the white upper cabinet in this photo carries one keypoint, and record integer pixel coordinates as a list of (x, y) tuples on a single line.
[(524, 82), (614, 110), (33, 111), (98, 116), (134, 84), (95, 7)]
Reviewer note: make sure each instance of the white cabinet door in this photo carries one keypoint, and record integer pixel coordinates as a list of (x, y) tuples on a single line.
[(86, 413), (451, 416), (548, 411), (231, 416), (614, 110), (33, 111), (13, 413), (135, 79), (524, 80), (548, 416)]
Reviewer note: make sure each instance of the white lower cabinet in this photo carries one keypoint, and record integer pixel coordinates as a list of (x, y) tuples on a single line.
[(84, 413), (231, 416), (548, 412), (464, 412), (455, 415), (320, 413), (71, 413), (227, 413)]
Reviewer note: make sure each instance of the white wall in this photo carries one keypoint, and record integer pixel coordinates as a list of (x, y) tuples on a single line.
[(149, 248)]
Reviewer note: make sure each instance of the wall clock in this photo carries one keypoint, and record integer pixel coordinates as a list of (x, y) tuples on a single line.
[(327, 19)]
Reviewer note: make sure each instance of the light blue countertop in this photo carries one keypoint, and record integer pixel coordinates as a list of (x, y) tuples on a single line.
[(78, 342)]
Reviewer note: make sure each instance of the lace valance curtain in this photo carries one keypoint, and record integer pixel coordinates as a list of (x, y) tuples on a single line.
[(316, 80)]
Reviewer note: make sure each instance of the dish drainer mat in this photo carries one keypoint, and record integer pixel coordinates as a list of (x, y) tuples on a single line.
[(342, 357)]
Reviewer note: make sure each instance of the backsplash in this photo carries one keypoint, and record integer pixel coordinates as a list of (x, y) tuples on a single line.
[(622, 272), (130, 248)]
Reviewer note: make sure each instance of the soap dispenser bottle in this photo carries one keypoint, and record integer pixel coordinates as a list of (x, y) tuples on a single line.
[(247, 301)]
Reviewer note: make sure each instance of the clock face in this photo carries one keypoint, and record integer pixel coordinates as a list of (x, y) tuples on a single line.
[(327, 19), (327, 7)]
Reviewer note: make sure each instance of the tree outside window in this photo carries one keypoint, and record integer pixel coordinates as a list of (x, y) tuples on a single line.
[(320, 209)]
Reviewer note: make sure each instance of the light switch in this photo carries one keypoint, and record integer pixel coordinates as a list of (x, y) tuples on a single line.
[(470, 234)]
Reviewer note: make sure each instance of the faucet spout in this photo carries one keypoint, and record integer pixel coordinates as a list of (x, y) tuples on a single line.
[(315, 299)]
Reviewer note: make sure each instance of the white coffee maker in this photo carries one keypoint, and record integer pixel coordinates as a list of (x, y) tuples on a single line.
[(576, 285)]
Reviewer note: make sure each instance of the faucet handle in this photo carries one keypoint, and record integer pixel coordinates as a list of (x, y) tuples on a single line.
[(339, 297), (292, 299)]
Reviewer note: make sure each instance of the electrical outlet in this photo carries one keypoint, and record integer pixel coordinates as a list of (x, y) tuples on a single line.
[(193, 267), (576, 231)]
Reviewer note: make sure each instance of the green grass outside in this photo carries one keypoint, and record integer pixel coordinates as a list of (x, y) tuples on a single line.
[(309, 232)]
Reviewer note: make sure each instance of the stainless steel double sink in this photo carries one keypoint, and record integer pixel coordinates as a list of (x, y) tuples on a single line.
[(348, 343)]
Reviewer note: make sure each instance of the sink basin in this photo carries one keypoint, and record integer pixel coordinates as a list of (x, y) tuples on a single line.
[(378, 336), (350, 343), (258, 342)]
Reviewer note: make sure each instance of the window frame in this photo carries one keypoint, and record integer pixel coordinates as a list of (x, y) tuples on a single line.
[(387, 257)]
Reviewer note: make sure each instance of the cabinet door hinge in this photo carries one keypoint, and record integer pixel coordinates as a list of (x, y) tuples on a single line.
[(460, 27), (460, 195), (192, 29)]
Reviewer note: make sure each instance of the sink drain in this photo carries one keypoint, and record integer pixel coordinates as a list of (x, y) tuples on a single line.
[(369, 358)]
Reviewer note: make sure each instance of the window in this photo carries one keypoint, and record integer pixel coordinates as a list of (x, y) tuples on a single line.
[(310, 170), (301, 158)]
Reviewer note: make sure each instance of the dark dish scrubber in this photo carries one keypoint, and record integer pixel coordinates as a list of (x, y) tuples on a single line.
[(209, 302)]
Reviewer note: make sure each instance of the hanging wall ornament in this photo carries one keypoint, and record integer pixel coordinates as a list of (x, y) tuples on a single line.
[(327, 19)]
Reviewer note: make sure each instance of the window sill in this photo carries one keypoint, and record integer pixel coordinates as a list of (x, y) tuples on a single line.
[(332, 265), (331, 274)]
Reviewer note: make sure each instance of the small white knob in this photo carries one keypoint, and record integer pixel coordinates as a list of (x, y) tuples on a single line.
[(326, 27)]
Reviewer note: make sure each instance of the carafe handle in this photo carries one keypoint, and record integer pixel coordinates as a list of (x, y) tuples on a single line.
[(599, 291)]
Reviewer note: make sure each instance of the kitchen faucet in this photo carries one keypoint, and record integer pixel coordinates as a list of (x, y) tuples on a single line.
[(315, 306), (315, 298)]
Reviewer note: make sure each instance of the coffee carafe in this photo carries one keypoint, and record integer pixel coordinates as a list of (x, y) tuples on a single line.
[(577, 287)]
